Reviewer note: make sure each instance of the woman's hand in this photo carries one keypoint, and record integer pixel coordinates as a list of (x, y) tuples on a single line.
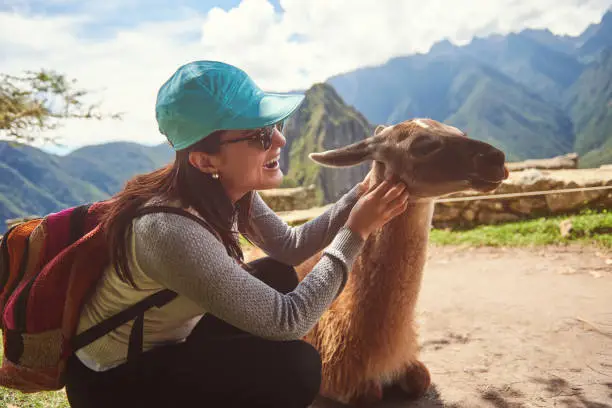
[(377, 206), (365, 183)]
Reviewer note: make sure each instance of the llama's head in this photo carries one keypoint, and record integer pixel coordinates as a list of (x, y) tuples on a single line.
[(432, 158)]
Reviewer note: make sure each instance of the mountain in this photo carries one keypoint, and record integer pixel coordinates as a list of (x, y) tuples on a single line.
[(501, 113), (540, 68), (517, 91), (462, 91), (565, 43), (322, 122), (597, 37), (33, 182), (589, 103), (109, 165)]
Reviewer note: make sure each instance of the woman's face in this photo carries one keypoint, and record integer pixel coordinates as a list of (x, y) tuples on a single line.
[(244, 166)]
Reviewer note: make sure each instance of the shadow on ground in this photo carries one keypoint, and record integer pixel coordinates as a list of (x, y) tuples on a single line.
[(558, 392), (567, 395), (395, 399)]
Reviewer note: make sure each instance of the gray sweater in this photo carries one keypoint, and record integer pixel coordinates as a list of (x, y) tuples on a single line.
[(175, 252)]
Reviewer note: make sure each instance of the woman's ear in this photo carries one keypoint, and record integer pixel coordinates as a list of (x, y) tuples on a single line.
[(203, 162)]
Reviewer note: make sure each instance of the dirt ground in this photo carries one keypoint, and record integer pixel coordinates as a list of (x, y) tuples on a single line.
[(515, 328)]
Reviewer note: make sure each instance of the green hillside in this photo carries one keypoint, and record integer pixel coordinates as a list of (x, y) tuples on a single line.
[(540, 68), (33, 182), (461, 90), (322, 122), (404, 87), (504, 115), (19, 196), (589, 103), (598, 38), (109, 165), (599, 156)]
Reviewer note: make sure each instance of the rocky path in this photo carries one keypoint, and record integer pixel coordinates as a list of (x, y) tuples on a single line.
[(516, 328)]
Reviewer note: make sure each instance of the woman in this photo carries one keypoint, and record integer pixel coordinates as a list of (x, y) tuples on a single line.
[(232, 335)]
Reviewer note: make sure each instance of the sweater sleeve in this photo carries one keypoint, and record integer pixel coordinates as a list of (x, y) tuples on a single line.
[(183, 256), (293, 245)]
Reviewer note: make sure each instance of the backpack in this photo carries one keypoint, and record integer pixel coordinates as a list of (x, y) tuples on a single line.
[(49, 266)]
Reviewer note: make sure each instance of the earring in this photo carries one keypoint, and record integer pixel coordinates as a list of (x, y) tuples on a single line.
[(215, 175)]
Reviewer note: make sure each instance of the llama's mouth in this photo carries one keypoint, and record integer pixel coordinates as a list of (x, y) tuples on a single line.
[(488, 180), (483, 184)]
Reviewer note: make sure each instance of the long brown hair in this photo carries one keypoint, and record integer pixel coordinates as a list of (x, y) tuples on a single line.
[(176, 181)]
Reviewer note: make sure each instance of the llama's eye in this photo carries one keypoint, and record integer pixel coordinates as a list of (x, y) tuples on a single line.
[(424, 146)]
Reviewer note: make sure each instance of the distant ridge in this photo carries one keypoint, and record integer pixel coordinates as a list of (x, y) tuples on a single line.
[(533, 93)]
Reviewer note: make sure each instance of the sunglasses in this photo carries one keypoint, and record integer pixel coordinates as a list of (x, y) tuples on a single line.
[(262, 135)]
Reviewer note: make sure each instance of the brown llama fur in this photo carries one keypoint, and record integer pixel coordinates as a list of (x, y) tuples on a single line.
[(375, 311), (368, 337)]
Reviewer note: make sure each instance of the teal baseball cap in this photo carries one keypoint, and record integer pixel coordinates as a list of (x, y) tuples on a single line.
[(205, 96)]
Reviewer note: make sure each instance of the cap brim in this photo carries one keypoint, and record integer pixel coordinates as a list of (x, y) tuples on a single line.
[(272, 108)]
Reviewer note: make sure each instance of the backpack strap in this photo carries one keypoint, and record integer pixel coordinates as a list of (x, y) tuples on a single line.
[(160, 298), (93, 333), (137, 310)]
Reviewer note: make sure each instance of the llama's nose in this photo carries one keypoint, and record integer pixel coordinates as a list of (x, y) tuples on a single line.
[(493, 158), (491, 162)]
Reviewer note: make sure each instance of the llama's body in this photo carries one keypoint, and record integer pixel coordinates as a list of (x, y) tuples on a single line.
[(368, 337)]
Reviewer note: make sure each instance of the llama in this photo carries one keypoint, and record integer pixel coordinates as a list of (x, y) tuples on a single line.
[(368, 338)]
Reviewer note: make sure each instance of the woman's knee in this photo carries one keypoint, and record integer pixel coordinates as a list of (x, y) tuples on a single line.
[(302, 374), (275, 274)]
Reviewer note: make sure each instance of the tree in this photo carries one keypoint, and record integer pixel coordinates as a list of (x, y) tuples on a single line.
[(39, 100)]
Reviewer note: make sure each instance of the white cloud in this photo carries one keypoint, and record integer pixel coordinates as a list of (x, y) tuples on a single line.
[(309, 42), (123, 72)]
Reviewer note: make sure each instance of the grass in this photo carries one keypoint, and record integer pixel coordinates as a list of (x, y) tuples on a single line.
[(15, 399), (588, 227)]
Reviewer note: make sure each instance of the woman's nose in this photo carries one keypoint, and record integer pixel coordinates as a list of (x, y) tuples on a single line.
[(278, 139)]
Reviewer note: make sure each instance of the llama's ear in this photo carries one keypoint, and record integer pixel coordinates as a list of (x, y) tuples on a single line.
[(347, 156), (379, 129)]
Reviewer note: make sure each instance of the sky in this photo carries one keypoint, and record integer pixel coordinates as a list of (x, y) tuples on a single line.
[(122, 51)]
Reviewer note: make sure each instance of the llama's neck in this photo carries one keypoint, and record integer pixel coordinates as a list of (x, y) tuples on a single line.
[(387, 279)]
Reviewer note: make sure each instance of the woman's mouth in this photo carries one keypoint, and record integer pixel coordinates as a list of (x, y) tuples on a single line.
[(272, 164)]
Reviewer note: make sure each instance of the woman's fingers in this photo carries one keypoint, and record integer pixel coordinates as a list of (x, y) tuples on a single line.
[(394, 192), (389, 196), (381, 203), (399, 204), (380, 190)]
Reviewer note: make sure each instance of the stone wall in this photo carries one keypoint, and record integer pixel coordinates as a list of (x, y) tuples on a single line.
[(290, 199), (497, 210), (566, 161)]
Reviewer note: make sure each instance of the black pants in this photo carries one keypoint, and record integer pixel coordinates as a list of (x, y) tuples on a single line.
[(217, 366)]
